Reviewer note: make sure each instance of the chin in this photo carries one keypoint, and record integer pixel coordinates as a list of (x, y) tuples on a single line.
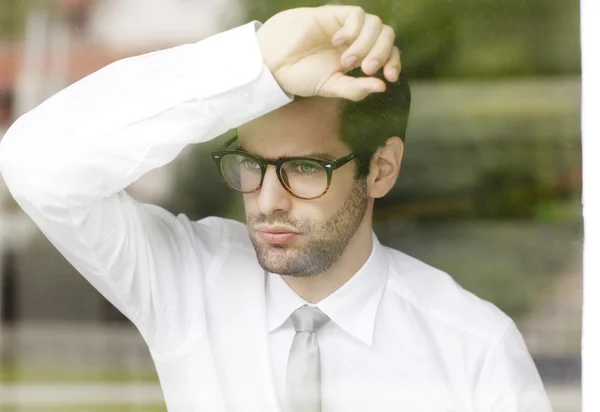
[(281, 260), (286, 262)]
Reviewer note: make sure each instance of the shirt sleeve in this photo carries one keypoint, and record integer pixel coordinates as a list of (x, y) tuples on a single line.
[(68, 161), (509, 380)]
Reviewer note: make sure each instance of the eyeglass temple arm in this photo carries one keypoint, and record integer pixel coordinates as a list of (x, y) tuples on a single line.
[(347, 158), (230, 141)]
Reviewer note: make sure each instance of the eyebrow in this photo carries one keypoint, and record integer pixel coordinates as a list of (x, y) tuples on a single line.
[(317, 155)]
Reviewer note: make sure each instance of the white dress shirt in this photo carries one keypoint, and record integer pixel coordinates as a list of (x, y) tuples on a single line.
[(403, 336)]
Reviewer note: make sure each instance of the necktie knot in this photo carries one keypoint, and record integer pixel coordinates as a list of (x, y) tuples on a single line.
[(308, 319)]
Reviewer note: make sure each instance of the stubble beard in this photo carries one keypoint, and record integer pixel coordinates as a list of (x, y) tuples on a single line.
[(323, 242)]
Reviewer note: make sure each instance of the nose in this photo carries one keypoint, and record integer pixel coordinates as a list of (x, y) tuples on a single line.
[(273, 196)]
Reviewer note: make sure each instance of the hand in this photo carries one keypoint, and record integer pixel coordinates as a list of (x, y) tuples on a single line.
[(309, 50)]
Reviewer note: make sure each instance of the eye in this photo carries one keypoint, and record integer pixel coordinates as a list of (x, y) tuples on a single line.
[(250, 164), (306, 168)]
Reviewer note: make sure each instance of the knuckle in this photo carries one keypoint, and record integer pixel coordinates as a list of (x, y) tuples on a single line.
[(358, 10), (388, 31), (375, 20)]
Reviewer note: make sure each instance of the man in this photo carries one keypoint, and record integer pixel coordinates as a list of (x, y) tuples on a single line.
[(303, 310)]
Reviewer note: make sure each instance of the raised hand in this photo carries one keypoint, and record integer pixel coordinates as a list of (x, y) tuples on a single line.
[(309, 50)]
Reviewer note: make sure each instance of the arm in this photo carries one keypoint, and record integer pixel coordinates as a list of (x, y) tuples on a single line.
[(509, 380), (68, 161)]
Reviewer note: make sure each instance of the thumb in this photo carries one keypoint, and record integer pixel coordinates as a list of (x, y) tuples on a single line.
[(351, 88)]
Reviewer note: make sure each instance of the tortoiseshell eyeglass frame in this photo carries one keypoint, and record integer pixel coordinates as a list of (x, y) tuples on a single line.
[(328, 165)]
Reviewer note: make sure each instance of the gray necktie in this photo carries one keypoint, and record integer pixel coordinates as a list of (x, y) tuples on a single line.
[(303, 383)]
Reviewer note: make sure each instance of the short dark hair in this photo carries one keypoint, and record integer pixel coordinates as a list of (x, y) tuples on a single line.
[(367, 124)]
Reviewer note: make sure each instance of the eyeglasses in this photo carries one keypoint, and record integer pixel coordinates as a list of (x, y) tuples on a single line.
[(303, 177)]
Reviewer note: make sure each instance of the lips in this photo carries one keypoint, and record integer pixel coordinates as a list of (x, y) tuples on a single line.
[(276, 235), (275, 229)]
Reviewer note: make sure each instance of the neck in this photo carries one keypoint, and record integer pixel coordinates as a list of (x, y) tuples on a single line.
[(315, 288)]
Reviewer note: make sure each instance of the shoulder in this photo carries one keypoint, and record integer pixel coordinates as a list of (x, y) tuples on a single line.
[(441, 300)]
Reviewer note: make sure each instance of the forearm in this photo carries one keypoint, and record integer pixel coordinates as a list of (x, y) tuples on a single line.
[(96, 137)]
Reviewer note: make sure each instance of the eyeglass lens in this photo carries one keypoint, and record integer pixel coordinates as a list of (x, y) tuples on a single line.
[(304, 178)]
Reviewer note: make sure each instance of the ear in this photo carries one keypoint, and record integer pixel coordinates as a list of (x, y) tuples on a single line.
[(385, 166)]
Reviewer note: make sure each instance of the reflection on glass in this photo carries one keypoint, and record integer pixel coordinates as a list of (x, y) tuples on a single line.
[(489, 189)]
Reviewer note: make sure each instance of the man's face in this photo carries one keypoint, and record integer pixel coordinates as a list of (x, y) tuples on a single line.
[(293, 236)]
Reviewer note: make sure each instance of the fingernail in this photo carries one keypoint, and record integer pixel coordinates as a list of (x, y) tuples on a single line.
[(372, 65), (349, 60)]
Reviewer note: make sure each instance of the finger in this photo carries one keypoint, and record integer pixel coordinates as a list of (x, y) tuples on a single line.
[(380, 52), (393, 67), (364, 42), (352, 19), (351, 88)]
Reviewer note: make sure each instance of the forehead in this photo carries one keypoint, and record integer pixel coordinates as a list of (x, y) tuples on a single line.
[(299, 128)]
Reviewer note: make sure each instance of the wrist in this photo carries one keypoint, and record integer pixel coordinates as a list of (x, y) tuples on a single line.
[(267, 52), (263, 45)]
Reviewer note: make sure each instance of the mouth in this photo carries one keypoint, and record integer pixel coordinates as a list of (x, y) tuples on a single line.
[(277, 235)]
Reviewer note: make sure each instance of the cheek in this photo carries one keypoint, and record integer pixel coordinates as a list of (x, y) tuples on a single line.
[(329, 205), (339, 189), (250, 203), (314, 212)]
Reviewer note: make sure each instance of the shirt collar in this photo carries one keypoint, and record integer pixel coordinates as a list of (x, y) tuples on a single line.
[(353, 307)]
